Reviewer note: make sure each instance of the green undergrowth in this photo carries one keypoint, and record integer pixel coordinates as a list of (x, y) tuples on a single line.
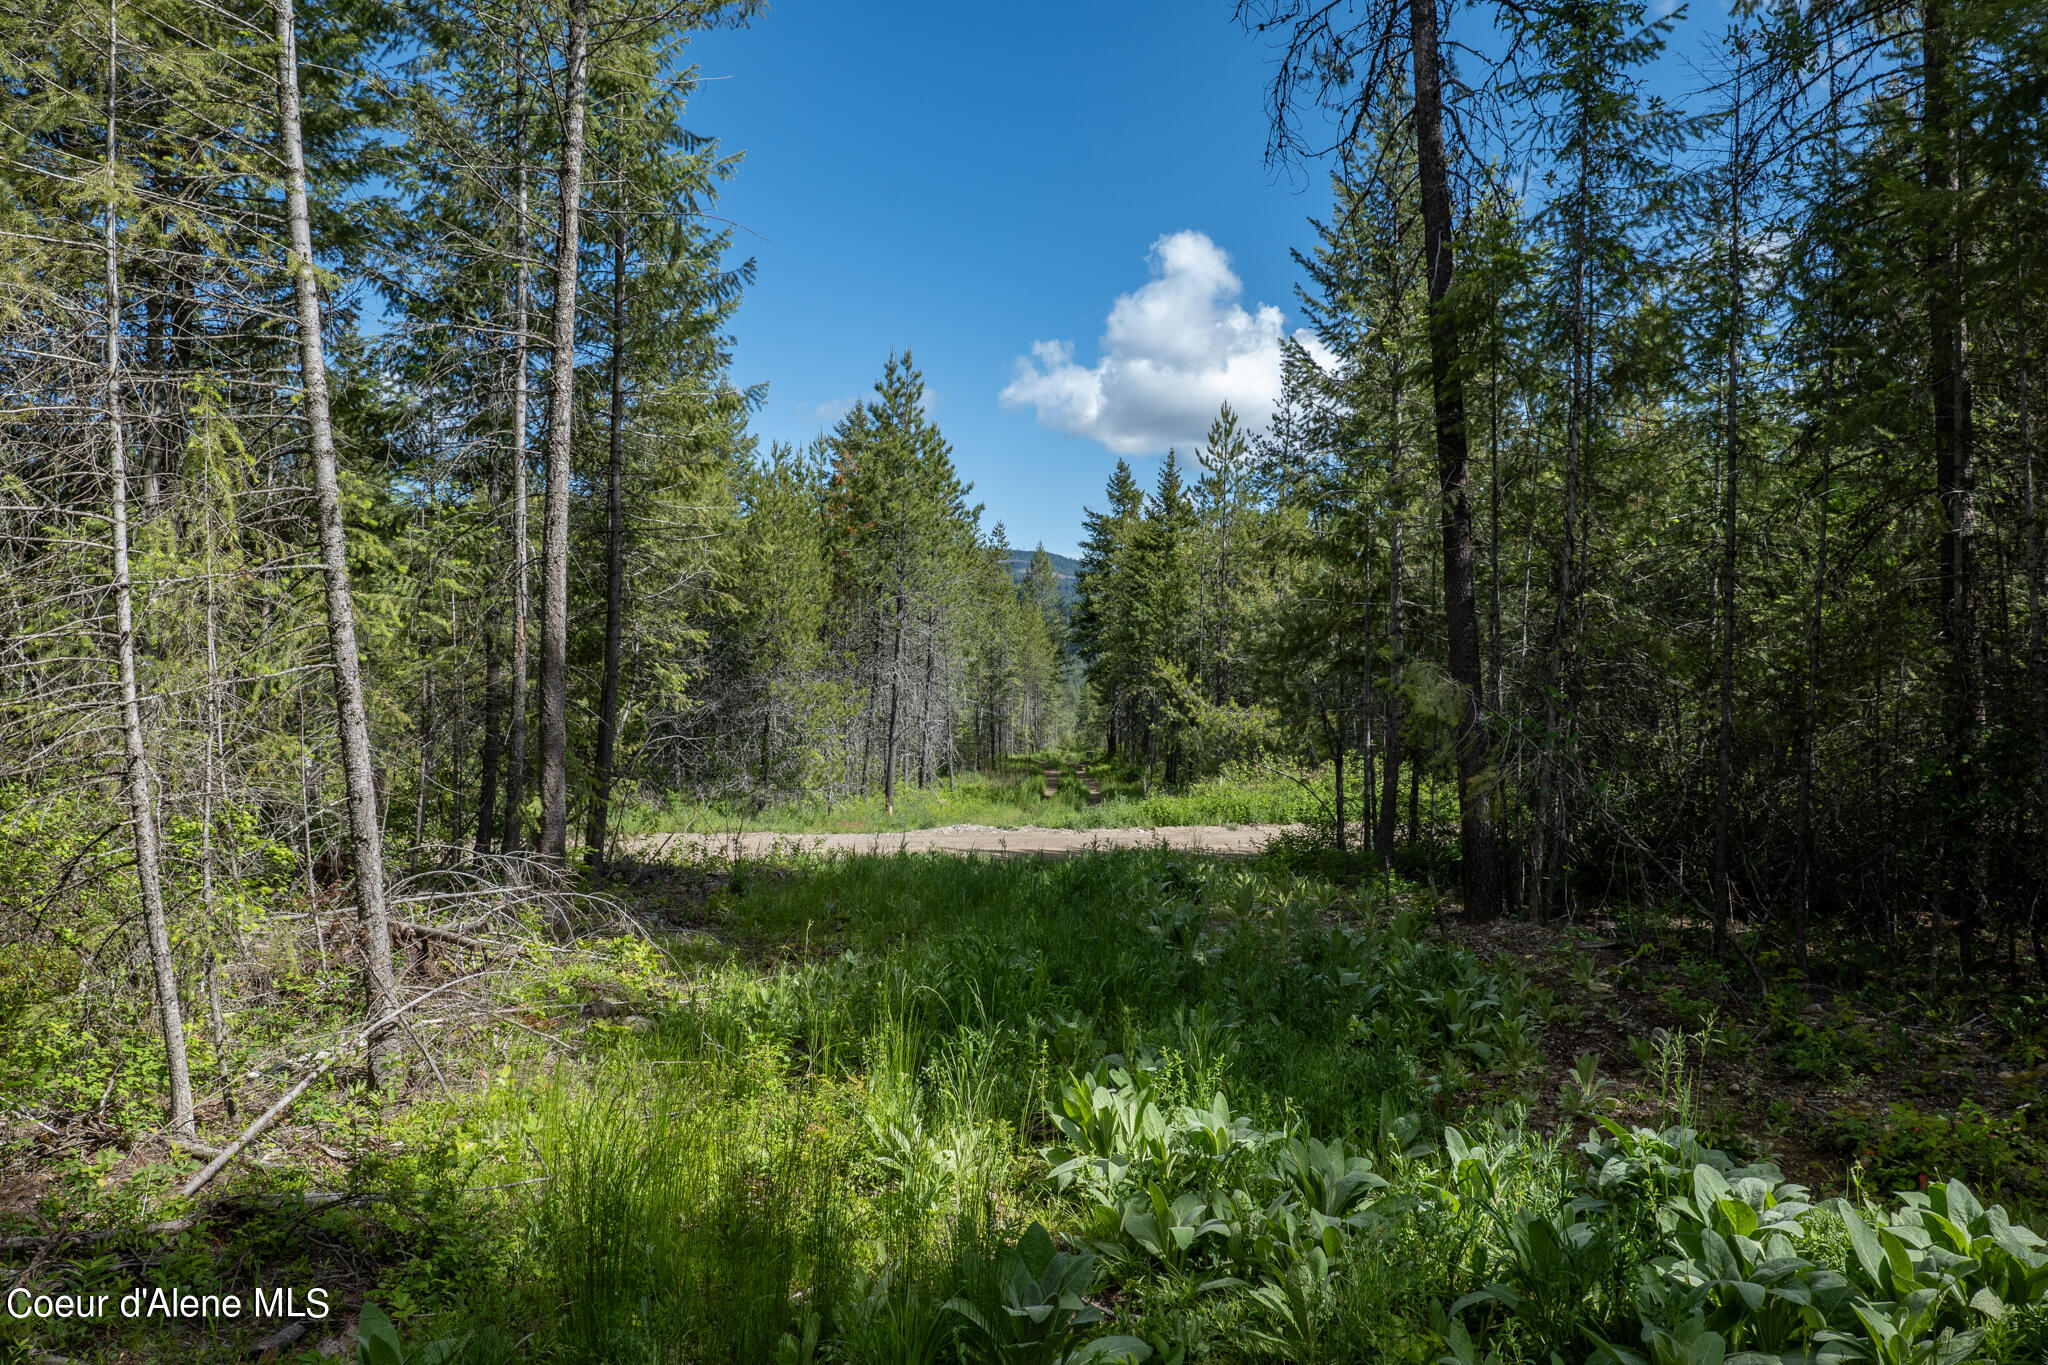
[(1135, 1107), (1262, 795), (1131, 1106)]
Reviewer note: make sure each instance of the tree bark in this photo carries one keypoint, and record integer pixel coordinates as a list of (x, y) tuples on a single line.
[(1724, 740), (513, 837), (138, 783), (615, 565), (1479, 870), (487, 779), (1802, 902), (895, 699), (2037, 656), (1560, 714), (554, 621), (1963, 865), (1336, 733), (924, 724), (365, 835), (1390, 783)]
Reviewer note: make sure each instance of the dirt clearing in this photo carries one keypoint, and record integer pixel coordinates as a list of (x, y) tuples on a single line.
[(1027, 839)]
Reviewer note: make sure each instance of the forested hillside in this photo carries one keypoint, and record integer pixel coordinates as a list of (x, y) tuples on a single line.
[(1628, 620)]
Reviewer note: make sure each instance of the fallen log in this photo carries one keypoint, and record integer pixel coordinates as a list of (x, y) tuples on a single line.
[(268, 1347), (57, 1239), (407, 929), (256, 1129)]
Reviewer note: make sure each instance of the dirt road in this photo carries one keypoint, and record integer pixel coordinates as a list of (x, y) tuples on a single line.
[(1029, 839)]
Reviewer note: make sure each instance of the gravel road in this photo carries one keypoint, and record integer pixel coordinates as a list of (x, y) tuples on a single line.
[(1028, 839)]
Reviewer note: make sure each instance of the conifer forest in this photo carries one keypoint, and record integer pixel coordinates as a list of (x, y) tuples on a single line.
[(1525, 845)]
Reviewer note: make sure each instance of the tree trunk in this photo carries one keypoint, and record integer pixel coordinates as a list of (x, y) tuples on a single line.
[(458, 730), (1724, 740), (1802, 902), (1479, 870), (513, 837), (1554, 814), (924, 725), (1415, 801), (615, 565), (1495, 665), (426, 764), (1336, 733), (218, 1026), (1963, 866), (554, 611), (1390, 784), (895, 700), (487, 779), (2037, 656), (138, 784), (365, 835), (214, 749)]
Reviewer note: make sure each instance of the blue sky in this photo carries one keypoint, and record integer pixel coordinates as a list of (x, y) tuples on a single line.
[(973, 180)]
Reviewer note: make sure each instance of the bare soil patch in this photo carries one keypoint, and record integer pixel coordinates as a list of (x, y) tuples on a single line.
[(1025, 840)]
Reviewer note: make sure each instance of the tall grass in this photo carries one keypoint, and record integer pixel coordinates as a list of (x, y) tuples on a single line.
[(850, 1133), (837, 1151)]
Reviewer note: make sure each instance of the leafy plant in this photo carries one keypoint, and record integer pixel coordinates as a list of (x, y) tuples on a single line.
[(377, 1342), (1035, 1311)]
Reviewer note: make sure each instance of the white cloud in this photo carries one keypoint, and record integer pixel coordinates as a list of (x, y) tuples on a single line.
[(1175, 349), (829, 411)]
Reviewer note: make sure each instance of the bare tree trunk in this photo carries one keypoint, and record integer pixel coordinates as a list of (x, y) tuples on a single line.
[(1802, 903), (924, 724), (218, 1027), (554, 608), (141, 800), (1724, 741), (1493, 699), (458, 729), (2037, 657), (1963, 862), (366, 837), (1415, 801), (1554, 814), (895, 702), (487, 779), (214, 748), (1336, 733), (426, 764), (1390, 783), (513, 837), (1479, 864), (615, 564), (1802, 900)]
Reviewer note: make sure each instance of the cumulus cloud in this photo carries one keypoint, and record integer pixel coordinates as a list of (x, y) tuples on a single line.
[(1175, 349)]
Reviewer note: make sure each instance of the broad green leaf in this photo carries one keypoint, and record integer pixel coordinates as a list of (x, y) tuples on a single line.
[(1869, 1253)]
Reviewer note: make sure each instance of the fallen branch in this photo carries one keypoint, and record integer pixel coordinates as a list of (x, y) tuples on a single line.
[(57, 1239), (256, 1129), (278, 1340), (407, 929), (285, 1101), (203, 1149)]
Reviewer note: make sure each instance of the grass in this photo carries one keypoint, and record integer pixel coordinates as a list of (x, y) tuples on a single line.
[(1125, 1106), (1014, 795)]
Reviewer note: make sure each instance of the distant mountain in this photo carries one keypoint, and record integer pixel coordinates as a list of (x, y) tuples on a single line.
[(1062, 565)]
